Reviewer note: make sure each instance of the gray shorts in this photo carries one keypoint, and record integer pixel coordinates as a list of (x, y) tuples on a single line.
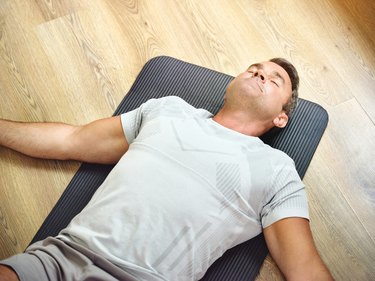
[(52, 259)]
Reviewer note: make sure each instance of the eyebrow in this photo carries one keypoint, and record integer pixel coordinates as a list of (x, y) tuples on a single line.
[(274, 73)]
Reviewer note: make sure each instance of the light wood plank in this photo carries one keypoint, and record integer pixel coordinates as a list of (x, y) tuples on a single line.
[(349, 144), (72, 61), (52, 9), (26, 96)]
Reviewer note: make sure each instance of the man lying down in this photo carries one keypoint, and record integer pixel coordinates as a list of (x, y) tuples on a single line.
[(187, 186)]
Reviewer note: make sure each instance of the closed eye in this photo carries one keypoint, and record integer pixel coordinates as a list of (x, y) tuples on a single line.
[(274, 82)]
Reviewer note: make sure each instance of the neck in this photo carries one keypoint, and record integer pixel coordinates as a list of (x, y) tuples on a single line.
[(243, 124)]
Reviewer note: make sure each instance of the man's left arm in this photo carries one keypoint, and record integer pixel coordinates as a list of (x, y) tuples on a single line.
[(291, 245)]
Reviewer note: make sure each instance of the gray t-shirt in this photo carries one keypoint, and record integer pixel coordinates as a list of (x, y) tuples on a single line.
[(187, 190)]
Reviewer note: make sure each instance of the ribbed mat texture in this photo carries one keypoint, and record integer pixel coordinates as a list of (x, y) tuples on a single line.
[(202, 88)]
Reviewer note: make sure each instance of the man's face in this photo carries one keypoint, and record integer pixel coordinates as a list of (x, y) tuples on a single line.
[(264, 87)]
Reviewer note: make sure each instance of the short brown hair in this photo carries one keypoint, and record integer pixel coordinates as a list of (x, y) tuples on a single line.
[(294, 78)]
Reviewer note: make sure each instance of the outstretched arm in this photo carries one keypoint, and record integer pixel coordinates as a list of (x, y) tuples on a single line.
[(291, 245), (101, 141)]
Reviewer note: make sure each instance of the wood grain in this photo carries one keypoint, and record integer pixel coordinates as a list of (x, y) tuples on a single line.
[(73, 61)]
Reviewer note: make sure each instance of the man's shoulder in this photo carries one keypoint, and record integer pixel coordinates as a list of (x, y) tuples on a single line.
[(171, 100), (278, 156), (175, 106), (167, 102)]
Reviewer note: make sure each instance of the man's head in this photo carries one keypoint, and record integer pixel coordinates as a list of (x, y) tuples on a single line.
[(265, 93), (294, 77)]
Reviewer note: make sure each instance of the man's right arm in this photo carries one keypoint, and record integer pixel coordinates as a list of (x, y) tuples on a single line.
[(101, 141), (291, 245)]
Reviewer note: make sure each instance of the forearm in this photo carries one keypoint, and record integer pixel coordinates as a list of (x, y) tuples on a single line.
[(41, 140), (313, 269)]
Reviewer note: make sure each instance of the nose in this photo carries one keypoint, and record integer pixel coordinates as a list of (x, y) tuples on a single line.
[(260, 75)]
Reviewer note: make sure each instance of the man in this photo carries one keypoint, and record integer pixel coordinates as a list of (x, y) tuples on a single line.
[(187, 186)]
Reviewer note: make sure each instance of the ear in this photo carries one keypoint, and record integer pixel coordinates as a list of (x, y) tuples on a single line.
[(281, 120)]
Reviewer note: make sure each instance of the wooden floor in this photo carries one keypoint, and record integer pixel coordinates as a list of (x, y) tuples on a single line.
[(73, 61)]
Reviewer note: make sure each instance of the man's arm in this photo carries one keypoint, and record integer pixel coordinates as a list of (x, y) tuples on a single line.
[(291, 245), (101, 141)]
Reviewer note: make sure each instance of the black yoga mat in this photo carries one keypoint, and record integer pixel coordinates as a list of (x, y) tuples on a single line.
[(202, 88)]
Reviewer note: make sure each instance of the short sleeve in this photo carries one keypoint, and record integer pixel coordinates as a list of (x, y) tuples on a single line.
[(287, 196), (132, 121)]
